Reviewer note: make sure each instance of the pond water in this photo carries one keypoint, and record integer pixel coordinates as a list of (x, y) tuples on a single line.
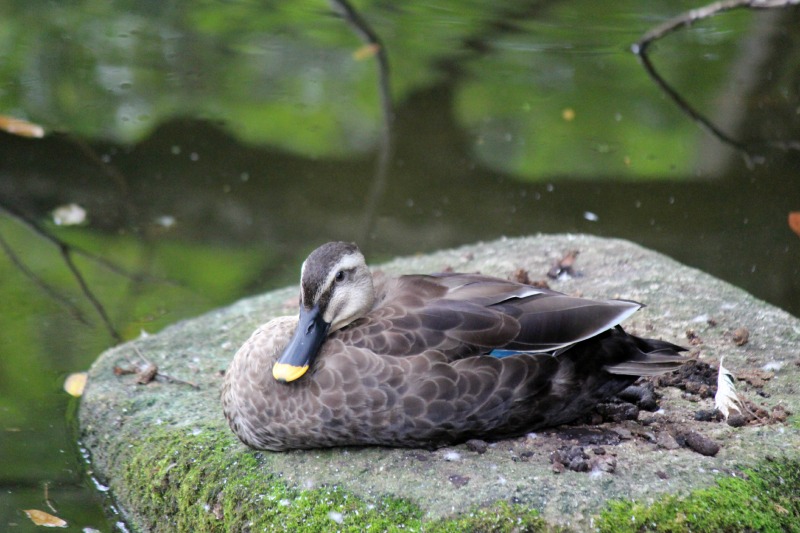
[(212, 145)]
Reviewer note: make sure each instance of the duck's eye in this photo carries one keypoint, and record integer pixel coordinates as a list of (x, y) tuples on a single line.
[(339, 276)]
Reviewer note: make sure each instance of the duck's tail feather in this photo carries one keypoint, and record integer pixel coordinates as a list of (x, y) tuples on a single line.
[(655, 357)]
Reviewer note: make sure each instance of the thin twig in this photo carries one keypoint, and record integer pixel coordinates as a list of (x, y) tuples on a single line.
[(178, 380), (159, 373), (47, 497)]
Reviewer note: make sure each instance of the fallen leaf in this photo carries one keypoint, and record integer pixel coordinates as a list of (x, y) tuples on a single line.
[(75, 383), (367, 51), (568, 114), (40, 518), (794, 222), (22, 128)]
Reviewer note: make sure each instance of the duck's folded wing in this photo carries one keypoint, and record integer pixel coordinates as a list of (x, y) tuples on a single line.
[(551, 322), (548, 320), (467, 314)]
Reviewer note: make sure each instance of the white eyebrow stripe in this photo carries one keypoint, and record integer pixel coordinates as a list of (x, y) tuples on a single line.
[(347, 262)]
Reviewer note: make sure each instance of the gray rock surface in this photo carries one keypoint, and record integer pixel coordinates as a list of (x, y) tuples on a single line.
[(632, 459)]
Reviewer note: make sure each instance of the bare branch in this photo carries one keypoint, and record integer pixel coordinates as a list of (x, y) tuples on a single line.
[(690, 17), (749, 149)]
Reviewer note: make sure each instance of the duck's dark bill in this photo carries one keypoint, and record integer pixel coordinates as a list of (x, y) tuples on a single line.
[(303, 347)]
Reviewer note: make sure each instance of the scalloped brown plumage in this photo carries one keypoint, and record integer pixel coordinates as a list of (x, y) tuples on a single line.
[(435, 360)]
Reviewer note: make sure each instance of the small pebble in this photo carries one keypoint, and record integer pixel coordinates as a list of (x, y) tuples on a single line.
[(617, 412), (780, 413), (700, 443), (667, 441), (458, 480), (642, 396), (578, 465), (737, 420), (607, 464), (706, 415), (477, 446), (741, 336)]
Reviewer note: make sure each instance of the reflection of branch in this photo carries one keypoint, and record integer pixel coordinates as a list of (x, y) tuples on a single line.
[(366, 33), (685, 107), (67, 252), (46, 235), (687, 19), (66, 255), (50, 291)]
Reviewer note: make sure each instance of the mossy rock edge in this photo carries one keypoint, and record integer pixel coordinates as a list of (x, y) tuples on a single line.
[(172, 464)]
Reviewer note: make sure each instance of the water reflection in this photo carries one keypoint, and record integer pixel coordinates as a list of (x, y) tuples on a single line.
[(213, 145)]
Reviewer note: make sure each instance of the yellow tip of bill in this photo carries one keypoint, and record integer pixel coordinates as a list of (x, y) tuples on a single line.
[(286, 373)]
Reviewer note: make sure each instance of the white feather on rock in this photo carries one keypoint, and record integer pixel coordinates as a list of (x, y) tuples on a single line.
[(726, 399)]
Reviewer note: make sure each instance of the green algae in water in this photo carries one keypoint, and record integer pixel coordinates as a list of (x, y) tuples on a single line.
[(765, 499)]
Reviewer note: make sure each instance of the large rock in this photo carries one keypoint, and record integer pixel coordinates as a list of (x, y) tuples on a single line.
[(172, 464)]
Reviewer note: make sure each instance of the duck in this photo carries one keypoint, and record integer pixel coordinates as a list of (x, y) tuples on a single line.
[(427, 361)]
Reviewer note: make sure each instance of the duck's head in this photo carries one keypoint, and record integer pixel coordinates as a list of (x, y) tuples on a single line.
[(335, 289)]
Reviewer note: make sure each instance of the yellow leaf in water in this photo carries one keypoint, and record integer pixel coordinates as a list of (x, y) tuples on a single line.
[(568, 114), (366, 51), (75, 383), (40, 518), (20, 127)]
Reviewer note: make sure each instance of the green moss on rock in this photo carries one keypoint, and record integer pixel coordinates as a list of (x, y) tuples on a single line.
[(501, 518), (765, 499), (187, 483)]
